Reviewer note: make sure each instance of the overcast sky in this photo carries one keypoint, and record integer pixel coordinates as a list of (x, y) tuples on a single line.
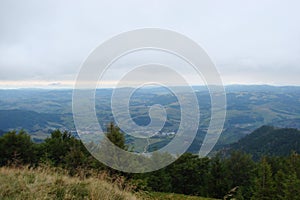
[(43, 43)]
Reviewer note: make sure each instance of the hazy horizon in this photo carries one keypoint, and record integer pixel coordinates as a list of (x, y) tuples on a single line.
[(99, 88)]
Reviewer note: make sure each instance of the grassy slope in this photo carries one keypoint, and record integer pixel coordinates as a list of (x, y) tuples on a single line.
[(45, 183), (172, 196)]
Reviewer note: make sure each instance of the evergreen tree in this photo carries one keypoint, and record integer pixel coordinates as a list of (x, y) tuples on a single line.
[(294, 163), (115, 136), (280, 185), (240, 168), (219, 183), (64, 150), (186, 175), (292, 189), (17, 148), (264, 188)]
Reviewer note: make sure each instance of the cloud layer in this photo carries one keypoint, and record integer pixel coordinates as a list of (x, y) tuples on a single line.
[(251, 42)]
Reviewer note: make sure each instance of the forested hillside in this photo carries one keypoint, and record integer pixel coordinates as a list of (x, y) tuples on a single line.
[(269, 141)]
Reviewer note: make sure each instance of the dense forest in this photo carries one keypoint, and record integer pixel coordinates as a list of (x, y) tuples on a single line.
[(271, 141), (226, 175)]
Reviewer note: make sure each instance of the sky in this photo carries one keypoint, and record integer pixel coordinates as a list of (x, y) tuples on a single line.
[(44, 43)]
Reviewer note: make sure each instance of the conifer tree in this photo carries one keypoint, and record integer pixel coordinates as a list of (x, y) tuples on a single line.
[(264, 188)]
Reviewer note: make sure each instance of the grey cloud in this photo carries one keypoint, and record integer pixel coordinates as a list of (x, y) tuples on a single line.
[(48, 40)]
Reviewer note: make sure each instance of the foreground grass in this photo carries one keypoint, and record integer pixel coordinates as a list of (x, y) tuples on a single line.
[(172, 196), (48, 183), (43, 183)]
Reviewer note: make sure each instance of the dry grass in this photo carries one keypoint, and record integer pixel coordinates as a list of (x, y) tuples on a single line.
[(172, 196), (21, 183), (46, 183)]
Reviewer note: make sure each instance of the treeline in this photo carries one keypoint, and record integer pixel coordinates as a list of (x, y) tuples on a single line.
[(236, 176), (61, 149)]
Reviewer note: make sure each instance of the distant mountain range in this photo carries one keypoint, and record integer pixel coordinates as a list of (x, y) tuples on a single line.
[(29, 120), (37, 124), (248, 107)]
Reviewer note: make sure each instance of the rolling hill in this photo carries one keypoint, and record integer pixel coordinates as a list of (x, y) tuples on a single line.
[(269, 141), (248, 108)]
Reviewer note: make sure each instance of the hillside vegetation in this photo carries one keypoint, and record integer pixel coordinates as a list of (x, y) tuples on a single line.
[(45, 183), (269, 141), (49, 183), (72, 173)]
